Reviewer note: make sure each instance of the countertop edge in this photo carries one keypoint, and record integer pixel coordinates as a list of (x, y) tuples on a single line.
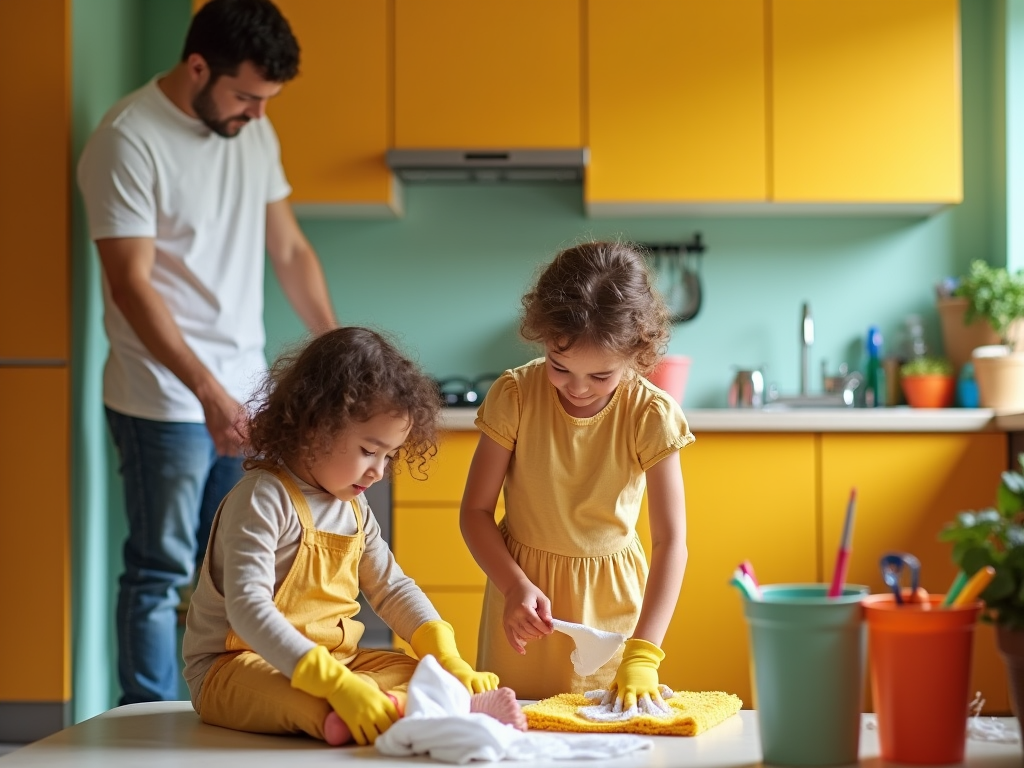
[(899, 419)]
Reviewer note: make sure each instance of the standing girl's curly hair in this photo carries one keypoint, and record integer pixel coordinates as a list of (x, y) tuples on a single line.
[(599, 294), (343, 376)]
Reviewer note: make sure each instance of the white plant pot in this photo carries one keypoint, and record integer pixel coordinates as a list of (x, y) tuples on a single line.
[(1000, 377)]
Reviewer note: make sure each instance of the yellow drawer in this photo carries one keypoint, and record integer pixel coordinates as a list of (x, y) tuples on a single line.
[(429, 547), (446, 473), (461, 609)]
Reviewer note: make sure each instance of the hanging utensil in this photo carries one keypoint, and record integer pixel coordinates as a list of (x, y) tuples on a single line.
[(689, 289)]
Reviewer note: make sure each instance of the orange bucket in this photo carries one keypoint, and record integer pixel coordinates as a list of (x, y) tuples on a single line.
[(920, 660)]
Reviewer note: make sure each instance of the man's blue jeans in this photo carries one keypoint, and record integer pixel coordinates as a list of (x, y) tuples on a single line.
[(173, 483)]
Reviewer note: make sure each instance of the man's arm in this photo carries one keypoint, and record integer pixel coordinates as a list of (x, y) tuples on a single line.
[(298, 269), (128, 266)]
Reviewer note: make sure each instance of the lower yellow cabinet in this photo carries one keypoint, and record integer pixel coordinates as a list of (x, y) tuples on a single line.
[(748, 496), (777, 499)]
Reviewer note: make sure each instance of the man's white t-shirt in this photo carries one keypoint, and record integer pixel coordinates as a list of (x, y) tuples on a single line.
[(150, 170)]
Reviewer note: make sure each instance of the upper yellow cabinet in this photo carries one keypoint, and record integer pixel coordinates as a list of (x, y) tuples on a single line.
[(34, 189), (865, 99), (675, 103), (334, 119), (496, 74)]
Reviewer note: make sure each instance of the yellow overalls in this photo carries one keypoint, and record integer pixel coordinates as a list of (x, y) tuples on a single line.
[(318, 597)]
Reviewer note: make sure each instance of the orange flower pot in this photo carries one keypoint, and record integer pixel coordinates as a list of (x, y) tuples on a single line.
[(934, 391)]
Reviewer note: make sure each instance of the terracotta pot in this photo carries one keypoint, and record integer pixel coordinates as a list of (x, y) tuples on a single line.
[(959, 340), (933, 391), (1011, 648)]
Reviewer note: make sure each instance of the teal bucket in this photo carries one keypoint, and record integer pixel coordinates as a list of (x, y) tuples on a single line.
[(807, 657)]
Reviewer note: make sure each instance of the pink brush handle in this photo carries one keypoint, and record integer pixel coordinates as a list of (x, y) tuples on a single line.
[(839, 575)]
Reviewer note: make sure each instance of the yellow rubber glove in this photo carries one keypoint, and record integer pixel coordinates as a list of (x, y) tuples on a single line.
[(637, 674), (437, 638), (364, 707)]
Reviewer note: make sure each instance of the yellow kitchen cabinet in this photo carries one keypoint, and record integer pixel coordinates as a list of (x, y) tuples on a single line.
[(433, 550), (334, 119), (428, 543), (460, 608), (675, 104), (446, 473), (35, 535), (500, 74), (748, 496), (865, 102), (34, 181), (35, 521), (908, 487)]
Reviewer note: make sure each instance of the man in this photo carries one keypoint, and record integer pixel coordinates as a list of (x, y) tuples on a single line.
[(183, 196)]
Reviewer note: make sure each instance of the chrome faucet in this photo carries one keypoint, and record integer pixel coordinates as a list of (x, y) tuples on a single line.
[(806, 340)]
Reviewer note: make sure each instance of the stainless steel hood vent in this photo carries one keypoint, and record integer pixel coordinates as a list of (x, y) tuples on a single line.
[(529, 165)]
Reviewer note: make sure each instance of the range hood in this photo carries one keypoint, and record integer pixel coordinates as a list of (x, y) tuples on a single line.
[(560, 165)]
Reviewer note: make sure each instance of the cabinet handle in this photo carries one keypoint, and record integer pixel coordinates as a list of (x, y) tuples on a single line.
[(32, 362)]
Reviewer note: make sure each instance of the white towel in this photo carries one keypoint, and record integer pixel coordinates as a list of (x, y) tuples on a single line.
[(438, 723), (594, 647)]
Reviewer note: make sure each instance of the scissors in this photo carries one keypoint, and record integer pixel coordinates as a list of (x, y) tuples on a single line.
[(892, 566)]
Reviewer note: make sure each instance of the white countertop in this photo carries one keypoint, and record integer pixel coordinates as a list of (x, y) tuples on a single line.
[(899, 419), (169, 733)]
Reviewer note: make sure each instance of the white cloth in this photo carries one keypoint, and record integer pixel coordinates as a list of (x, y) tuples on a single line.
[(151, 171), (255, 544), (594, 647), (438, 723), (610, 711)]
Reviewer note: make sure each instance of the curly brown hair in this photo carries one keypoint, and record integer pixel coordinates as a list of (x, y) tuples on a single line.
[(347, 375), (599, 294)]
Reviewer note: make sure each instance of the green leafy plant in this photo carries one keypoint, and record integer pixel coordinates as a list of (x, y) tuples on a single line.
[(995, 536), (927, 366), (993, 294)]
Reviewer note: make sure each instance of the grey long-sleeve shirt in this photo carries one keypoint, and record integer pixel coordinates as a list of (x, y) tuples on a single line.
[(256, 540)]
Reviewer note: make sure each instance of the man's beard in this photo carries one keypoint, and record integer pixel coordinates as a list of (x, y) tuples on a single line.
[(206, 111)]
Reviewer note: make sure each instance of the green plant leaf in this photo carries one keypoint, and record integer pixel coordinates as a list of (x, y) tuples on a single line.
[(974, 558), (927, 366), (993, 294), (1002, 586)]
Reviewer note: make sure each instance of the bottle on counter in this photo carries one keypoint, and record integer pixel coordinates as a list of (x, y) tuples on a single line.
[(915, 344), (910, 345), (874, 372), (967, 387)]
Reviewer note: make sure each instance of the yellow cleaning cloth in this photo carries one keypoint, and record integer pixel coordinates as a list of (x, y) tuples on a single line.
[(693, 714)]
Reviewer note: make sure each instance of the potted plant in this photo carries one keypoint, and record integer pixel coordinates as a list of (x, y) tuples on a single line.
[(928, 382), (995, 536), (996, 295)]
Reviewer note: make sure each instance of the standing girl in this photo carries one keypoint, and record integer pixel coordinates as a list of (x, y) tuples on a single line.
[(574, 438), (272, 640)]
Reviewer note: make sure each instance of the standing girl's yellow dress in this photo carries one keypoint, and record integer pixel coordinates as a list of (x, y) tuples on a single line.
[(574, 439)]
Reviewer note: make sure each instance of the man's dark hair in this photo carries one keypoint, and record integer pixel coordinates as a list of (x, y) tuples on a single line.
[(228, 32)]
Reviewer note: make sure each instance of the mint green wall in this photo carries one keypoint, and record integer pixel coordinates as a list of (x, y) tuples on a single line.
[(116, 46), (1013, 128), (446, 279)]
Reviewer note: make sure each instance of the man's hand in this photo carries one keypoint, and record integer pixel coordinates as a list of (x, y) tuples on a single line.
[(225, 420)]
